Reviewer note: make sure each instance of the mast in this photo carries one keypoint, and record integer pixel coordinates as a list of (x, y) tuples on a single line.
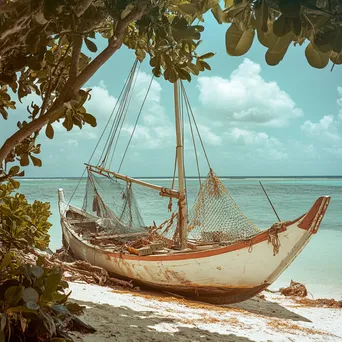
[(182, 210)]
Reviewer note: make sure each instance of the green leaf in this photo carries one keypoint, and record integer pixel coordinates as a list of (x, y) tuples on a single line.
[(207, 55), (30, 295), (13, 295), (290, 9), (14, 170), (49, 131), (24, 160), (183, 75), (140, 54), (278, 44), (14, 183), (337, 41), (238, 42), (68, 123), (282, 26), (36, 161), (32, 305), (4, 113), (189, 8), (74, 308), (194, 69), (261, 15), (5, 261), (205, 65), (316, 58), (297, 26), (336, 58), (37, 271), (60, 309), (90, 119), (274, 58), (199, 65), (218, 13), (90, 45), (52, 281), (60, 298)]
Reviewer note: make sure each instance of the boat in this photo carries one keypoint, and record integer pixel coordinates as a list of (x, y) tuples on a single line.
[(210, 252)]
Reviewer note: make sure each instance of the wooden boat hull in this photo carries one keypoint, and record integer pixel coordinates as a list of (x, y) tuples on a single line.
[(226, 274)]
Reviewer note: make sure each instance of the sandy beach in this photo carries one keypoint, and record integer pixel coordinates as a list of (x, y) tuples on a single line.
[(145, 316)]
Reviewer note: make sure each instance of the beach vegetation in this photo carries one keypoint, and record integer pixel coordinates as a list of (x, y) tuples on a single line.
[(34, 302), (22, 224), (33, 299)]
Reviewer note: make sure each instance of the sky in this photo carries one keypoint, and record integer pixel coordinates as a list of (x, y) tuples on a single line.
[(254, 119)]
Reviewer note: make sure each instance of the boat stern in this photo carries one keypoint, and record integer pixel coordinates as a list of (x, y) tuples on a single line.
[(313, 218)]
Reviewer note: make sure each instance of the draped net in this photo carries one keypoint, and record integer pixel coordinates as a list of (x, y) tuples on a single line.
[(214, 216)]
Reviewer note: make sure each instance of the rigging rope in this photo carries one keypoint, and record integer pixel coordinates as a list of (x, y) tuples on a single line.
[(119, 114), (123, 90), (136, 122), (124, 116), (194, 143), (193, 118), (102, 134)]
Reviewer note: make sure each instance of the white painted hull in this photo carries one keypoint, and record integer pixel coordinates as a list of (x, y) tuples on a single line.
[(224, 274)]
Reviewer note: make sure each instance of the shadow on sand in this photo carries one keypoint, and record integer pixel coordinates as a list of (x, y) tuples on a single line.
[(122, 324), (267, 308)]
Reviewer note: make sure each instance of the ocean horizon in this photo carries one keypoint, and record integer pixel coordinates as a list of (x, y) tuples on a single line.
[(196, 177)]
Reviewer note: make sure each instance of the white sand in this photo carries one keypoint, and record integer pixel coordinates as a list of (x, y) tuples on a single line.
[(141, 317)]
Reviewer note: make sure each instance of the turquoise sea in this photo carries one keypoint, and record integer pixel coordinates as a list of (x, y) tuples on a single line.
[(319, 266)]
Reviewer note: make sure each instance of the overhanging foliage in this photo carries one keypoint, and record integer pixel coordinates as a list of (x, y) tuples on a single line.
[(278, 23)]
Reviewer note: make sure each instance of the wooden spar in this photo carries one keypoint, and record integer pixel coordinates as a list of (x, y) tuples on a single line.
[(182, 211), (163, 191)]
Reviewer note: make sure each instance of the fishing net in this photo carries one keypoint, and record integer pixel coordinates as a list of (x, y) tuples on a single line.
[(216, 217), (115, 203)]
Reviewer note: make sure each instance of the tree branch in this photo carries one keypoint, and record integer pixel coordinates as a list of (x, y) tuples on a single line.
[(47, 95), (76, 50), (73, 86), (82, 6), (114, 44)]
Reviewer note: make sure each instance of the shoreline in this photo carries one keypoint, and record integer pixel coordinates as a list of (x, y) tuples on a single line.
[(151, 316)]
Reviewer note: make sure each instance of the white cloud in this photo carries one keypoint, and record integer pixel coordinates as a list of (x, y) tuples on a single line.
[(101, 103), (326, 128), (327, 131), (339, 102), (73, 142), (246, 97), (256, 144), (335, 151)]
